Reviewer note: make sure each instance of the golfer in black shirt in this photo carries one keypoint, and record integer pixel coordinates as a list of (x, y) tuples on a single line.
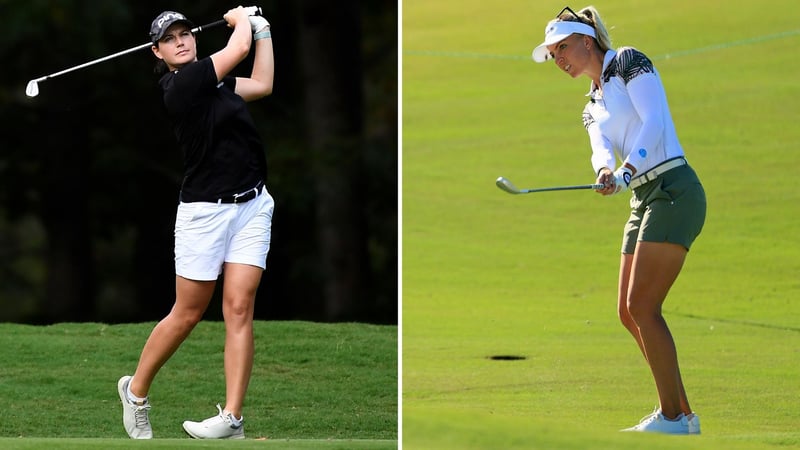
[(225, 212)]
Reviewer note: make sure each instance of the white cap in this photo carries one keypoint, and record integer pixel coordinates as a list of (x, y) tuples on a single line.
[(556, 31)]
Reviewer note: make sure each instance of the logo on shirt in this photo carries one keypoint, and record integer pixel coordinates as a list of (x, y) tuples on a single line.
[(642, 153)]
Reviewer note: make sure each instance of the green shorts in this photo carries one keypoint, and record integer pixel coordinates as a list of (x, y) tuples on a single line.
[(671, 208)]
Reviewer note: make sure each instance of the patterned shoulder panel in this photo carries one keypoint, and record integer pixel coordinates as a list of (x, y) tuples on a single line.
[(628, 64)]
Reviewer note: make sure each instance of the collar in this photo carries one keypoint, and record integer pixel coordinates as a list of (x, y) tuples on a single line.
[(610, 54)]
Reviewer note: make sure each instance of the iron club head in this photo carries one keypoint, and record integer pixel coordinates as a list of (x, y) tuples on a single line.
[(506, 185), (32, 90)]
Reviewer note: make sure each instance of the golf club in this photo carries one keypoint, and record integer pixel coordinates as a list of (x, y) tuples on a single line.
[(506, 185), (32, 89)]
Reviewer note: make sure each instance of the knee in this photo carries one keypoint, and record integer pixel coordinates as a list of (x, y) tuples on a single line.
[(238, 309), (625, 316), (193, 318), (186, 319), (641, 312)]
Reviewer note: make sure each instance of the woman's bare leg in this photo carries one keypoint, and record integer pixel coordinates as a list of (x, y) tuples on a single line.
[(645, 280), (191, 300), (238, 303)]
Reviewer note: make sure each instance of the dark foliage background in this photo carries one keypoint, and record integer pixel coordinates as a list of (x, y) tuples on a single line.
[(89, 170)]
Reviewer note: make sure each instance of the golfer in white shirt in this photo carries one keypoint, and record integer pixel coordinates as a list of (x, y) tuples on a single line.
[(628, 120)]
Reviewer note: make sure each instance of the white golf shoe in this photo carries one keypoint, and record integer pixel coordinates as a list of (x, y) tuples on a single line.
[(134, 414), (657, 423), (221, 426)]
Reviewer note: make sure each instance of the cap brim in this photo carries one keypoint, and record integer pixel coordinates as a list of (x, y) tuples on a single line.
[(164, 29), (555, 32), (541, 53)]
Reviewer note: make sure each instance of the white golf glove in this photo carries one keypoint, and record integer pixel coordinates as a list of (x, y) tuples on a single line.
[(258, 24), (622, 179), (252, 10)]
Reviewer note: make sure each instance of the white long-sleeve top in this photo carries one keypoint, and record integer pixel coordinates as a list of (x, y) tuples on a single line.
[(629, 114)]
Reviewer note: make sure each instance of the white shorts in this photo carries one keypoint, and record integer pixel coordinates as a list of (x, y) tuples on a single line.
[(207, 235)]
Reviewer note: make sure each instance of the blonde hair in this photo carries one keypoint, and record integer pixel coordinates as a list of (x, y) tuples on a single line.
[(590, 16)]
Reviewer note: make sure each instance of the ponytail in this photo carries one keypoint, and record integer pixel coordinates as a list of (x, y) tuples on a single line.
[(591, 17)]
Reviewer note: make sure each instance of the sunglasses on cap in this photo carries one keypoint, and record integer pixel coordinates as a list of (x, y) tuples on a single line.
[(569, 10)]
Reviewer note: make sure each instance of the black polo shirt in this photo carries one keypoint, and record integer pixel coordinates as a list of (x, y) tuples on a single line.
[(222, 151)]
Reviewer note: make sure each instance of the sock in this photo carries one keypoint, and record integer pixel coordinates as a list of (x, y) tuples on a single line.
[(234, 421), (133, 398)]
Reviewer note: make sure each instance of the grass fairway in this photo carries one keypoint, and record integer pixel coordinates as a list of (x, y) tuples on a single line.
[(178, 444), (486, 273), (330, 386)]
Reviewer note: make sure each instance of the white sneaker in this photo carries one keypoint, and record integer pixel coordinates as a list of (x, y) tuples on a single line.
[(694, 423), (134, 414), (657, 423), (220, 426)]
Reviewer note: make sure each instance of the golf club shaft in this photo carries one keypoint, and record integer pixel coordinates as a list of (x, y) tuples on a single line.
[(562, 188), (124, 52), (506, 185)]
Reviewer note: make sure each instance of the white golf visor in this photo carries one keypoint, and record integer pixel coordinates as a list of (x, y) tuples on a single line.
[(556, 31)]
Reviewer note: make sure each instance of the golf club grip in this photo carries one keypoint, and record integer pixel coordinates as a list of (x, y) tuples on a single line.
[(251, 10), (209, 25)]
